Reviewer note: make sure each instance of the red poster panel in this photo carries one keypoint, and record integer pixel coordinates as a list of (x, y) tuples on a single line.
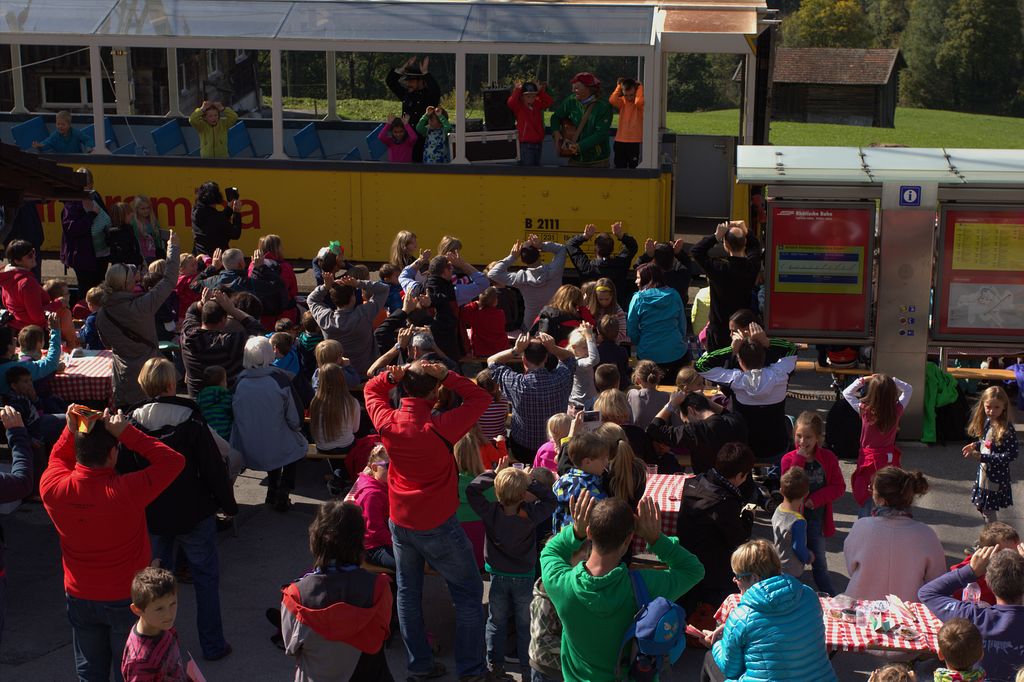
[(818, 269), (980, 289)]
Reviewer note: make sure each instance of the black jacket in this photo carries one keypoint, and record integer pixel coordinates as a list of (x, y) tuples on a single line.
[(202, 487), (732, 282), (615, 268), (415, 103), (214, 228), (558, 323), (703, 438), (710, 526), (678, 277), (445, 328)]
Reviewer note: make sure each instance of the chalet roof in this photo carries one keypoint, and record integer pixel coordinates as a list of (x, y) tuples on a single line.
[(34, 177), (835, 66)]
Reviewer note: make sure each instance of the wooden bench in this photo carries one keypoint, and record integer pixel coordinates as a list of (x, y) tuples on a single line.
[(981, 374)]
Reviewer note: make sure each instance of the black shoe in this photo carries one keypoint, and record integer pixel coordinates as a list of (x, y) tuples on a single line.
[(223, 654), (437, 671)]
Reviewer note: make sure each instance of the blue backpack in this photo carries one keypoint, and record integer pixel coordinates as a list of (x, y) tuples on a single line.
[(658, 631)]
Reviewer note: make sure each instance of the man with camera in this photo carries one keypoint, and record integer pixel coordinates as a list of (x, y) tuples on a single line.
[(214, 227)]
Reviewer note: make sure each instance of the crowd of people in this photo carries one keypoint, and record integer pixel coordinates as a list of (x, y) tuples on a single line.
[(497, 424), (580, 125)]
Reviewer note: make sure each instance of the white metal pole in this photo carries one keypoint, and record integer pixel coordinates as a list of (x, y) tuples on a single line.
[(18, 78), (652, 98), (122, 80), (492, 69), (276, 104), (332, 86), (96, 75), (460, 108), (173, 87)]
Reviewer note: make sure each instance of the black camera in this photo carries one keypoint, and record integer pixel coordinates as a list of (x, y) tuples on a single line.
[(231, 193)]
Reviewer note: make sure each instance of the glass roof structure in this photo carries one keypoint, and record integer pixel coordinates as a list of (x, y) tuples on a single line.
[(873, 165), (117, 21)]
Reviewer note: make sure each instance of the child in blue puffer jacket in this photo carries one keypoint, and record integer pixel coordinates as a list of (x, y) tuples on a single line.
[(776, 630)]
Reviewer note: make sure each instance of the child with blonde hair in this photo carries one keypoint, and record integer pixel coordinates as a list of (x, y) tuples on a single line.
[(188, 273), (510, 553), (467, 461), (558, 430), (825, 485), (894, 672), (370, 492), (584, 347), (334, 414), (996, 446)]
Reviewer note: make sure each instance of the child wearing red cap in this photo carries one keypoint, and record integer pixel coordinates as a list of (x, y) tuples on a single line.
[(528, 102)]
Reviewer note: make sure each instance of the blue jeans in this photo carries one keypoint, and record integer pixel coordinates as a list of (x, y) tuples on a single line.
[(529, 153), (381, 556), (509, 596), (450, 553), (819, 568), (200, 548), (99, 631)]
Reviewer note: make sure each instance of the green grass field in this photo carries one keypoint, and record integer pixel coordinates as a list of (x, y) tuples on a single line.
[(914, 127)]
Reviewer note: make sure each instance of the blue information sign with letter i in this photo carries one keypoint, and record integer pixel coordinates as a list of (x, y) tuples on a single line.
[(910, 195)]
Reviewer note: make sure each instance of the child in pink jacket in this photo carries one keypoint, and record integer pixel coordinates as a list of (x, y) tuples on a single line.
[(827, 486), (399, 137), (371, 494)]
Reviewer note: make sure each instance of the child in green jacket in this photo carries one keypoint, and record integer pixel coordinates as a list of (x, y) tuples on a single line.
[(212, 121), (433, 127)]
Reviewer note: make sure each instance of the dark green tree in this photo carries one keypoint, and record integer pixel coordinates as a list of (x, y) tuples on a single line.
[(691, 83), (923, 83), (981, 54), (827, 23), (888, 20)]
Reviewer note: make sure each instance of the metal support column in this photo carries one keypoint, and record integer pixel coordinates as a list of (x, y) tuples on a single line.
[(332, 86), (18, 79), (276, 105), (651, 148), (173, 86), (492, 69), (123, 99), (96, 76), (904, 289), (460, 108)]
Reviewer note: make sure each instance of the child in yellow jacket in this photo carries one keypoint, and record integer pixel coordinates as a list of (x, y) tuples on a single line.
[(212, 121)]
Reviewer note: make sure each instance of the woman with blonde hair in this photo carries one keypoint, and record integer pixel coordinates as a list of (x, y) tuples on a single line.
[(562, 314), (775, 632), (182, 515), (125, 322), (404, 250), (270, 254)]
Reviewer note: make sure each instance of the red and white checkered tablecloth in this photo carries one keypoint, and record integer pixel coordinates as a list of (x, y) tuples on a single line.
[(86, 378), (843, 636), (667, 491)]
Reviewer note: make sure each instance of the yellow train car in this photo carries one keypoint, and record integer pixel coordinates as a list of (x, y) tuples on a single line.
[(312, 203)]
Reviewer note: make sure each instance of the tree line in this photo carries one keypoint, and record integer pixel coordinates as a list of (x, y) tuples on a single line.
[(962, 55)]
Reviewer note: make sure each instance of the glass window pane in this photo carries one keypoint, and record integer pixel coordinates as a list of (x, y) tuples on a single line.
[(196, 18), (564, 24), (54, 16), (376, 22)]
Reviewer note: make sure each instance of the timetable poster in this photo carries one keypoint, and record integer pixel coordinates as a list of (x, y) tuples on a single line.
[(981, 274), (818, 265)]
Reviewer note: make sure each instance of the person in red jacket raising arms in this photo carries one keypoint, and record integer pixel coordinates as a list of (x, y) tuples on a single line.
[(423, 495), (100, 517)]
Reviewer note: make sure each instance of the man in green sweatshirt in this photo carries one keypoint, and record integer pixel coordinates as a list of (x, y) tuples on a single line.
[(594, 599)]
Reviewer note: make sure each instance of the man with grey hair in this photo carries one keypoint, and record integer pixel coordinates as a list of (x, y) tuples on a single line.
[(414, 343), (226, 272), (205, 341)]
